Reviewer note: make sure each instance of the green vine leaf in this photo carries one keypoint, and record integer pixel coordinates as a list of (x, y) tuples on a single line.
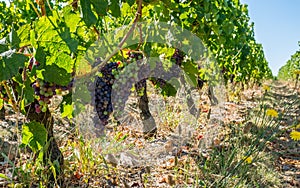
[(25, 88), (28, 92), (71, 19), (88, 16), (24, 34), (100, 6), (130, 2), (62, 60), (10, 62), (3, 45), (169, 90), (34, 135), (71, 43), (55, 74), (40, 55), (191, 72), (115, 8), (13, 38)]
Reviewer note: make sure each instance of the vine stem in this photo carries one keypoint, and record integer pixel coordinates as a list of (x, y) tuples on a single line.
[(49, 5), (35, 9), (14, 106), (96, 31), (141, 33), (141, 37), (41, 3), (119, 47)]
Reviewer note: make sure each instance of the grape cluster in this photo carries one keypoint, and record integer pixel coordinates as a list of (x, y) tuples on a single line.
[(121, 80), (105, 84), (135, 71), (135, 74), (44, 91), (115, 82), (134, 56), (103, 90)]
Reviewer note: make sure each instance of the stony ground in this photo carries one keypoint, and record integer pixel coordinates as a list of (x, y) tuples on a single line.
[(286, 99), (138, 162)]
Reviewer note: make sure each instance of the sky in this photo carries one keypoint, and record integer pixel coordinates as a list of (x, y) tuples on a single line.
[(277, 28)]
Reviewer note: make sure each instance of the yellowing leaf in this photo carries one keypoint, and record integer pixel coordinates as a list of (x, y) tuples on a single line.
[(68, 110)]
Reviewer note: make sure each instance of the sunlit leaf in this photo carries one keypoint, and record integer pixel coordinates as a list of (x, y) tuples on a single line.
[(34, 135)]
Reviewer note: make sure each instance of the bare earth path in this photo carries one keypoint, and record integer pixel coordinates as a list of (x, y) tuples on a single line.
[(286, 100), (282, 97)]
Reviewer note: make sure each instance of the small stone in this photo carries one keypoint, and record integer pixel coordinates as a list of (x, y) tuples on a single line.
[(285, 167), (128, 159), (169, 146), (170, 180)]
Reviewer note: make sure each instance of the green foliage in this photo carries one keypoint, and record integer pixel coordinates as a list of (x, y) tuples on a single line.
[(223, 27), (67, 111), (88, 15), (10, 62), (4, 176), (100, 6), (168, 89), (61, 38), (115, 8), (34, 135), (287, 71)]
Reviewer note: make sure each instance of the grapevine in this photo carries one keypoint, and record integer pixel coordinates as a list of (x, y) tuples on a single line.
[(43, 44), (291, 69)]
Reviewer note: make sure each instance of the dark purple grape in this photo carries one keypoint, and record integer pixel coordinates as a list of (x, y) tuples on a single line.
[(37, 92), (103, 90), (64, 88)]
